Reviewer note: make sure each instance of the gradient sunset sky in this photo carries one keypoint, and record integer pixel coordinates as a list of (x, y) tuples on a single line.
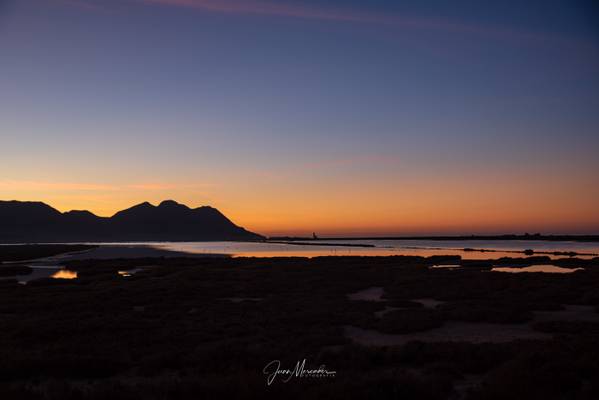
[(340, 117)]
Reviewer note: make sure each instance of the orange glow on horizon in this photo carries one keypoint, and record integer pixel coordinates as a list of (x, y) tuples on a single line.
[(464, 205)]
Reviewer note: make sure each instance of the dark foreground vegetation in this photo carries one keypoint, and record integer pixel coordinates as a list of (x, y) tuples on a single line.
[(206, 328), (16, 252)]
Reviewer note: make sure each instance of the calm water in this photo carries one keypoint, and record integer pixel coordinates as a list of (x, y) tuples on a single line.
[(42, 271), (547, 268), (493, 249), (383, 248), (50, 267)]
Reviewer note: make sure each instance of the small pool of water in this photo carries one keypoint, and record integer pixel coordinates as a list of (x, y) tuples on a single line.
[(552, 269), (64, 274), (129, 272), (42, 271), (447, 266)]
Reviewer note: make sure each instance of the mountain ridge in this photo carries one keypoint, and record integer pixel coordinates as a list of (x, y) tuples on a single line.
[(34, 221)]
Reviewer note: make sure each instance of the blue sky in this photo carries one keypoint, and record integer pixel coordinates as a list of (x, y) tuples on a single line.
[(277, 111)]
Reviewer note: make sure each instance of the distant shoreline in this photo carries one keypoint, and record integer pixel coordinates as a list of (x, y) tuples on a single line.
[(549, 238), (313, 243)]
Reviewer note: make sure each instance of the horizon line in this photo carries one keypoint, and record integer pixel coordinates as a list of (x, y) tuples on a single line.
[(358, 232)]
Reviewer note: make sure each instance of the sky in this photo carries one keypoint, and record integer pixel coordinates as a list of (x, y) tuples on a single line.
[(340, 117)]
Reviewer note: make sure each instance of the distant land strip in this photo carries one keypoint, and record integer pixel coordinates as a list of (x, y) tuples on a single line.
[(528, 252), (296, 243), (539, 237)]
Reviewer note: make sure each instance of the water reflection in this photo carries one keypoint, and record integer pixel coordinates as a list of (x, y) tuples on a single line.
[(129, 272), (553, 269), (64, 274), (447, 266), (471, 249), (43, 271), (467, 249)]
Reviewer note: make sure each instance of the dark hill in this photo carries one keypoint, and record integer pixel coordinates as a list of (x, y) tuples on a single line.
[(32, 222)]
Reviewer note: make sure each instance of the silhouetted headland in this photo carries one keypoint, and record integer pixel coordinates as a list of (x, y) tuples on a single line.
[(37, 222)]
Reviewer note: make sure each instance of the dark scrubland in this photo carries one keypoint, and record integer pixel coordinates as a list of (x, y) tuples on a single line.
[(18, 252), (12, 255), (11, 270), (205, 328)]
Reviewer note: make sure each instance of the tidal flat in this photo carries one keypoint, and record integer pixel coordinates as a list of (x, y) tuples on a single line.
[(188, 328)]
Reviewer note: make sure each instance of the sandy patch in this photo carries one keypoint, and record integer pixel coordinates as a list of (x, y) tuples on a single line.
[(240, 299), (428, 302), (450, 332), (380, 314), (374, 293), (569, 313), (474, 332)]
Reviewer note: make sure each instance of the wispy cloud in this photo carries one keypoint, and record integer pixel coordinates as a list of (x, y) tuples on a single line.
[(329, 13), (299, 10), (28, 185), (169, 186), (264, 7), (25, 185), (86, 5)]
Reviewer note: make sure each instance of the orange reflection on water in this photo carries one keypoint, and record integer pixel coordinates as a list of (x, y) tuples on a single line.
[(315, 253), (547, 268), (64, 274), (340, 251)]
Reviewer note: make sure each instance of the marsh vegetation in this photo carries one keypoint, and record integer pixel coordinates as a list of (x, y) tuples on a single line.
[(182, 328)]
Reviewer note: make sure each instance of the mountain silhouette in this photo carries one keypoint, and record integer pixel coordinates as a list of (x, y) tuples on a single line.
[(34, 222)]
